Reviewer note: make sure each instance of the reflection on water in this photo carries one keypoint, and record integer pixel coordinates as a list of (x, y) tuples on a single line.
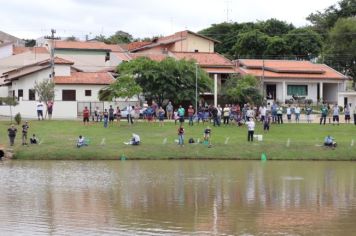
[(177, 198)]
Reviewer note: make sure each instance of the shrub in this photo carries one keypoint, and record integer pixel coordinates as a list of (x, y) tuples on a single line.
[(18, 118)]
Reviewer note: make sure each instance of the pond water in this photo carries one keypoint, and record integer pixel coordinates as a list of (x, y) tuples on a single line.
[(177, 198)]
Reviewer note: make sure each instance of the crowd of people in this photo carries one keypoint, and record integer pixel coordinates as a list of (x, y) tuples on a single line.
[(217, 116)]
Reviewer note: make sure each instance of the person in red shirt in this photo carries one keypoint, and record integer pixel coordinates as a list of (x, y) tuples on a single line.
[(86, 114), (191, 115)]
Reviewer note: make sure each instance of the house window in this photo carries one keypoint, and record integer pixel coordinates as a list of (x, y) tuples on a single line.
[(68, 95), (297, 90), (20, 93), (88, 93), (31, 95)]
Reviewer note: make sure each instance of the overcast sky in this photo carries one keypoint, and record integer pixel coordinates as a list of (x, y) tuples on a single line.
[(141, 18)]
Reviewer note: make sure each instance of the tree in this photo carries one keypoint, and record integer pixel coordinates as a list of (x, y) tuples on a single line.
[(243, 89), (71, 38), (323, 21), (341, 47), (168, 79), (120, 37), (101, 38), (45, 90), (30, 42), (277, 48), (125, 86), (304, 43), (252, 44), (274, 27)]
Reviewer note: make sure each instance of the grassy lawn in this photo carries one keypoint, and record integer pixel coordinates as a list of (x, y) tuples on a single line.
[(58, 139)]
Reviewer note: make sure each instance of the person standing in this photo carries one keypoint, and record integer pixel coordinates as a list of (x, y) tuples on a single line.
[(118, 114), (191, 115), (251, 129), (49, 109), (129, 114), (289, 113), (308, 112), (106, 118), (355, 115), (161, 116), (262, 112), (324, 113), (280, 115), (226, 114), (347, 114), (39, 107), (96, 114), (169, 110), (111, 115), (336, 114), (86, 114), (297, 114), (181, 135), (181, 113), (137, 112), (25, 128), (12, 134), (267, 122)]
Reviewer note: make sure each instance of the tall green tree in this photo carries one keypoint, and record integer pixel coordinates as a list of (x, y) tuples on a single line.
[(120, 37), (274, 27), (323, 21), (341, 47), (168, 79), (243, 89), (304, 43), (252, 44), (124, 86)]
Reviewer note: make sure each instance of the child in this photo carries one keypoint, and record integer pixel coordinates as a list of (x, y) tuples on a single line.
[(81, 142), (207, 134), (181, 136), (161, 113), (33, 139)]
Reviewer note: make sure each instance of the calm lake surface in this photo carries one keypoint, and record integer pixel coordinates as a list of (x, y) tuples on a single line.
[(177, 198)]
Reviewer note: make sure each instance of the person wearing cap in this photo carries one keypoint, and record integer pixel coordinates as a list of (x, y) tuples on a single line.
[(25, 128)]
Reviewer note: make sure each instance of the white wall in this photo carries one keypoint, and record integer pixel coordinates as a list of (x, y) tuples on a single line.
[(62, 70), (80, 92), (330, 92), (6, 51), (28, 82), (27, 109), (4, 91)]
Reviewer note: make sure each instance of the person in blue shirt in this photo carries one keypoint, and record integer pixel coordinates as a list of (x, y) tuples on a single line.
[(329, 141)]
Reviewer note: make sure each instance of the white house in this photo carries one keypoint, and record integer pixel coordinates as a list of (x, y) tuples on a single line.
[(6, 49), (283, 79), (73, 89)]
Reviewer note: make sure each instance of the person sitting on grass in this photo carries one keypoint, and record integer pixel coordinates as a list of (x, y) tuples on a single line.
[(329, 142), (33, 139), (135, 140), (81, 142)]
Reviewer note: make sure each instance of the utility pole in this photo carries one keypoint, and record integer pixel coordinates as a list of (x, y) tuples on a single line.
[(52, 38)]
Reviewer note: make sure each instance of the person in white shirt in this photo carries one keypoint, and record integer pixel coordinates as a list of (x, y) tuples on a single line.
[(297, 114), (262, 111), (289, 113), (39, 107), (135, 140), (81, 142), (336, 114), (251, 129)]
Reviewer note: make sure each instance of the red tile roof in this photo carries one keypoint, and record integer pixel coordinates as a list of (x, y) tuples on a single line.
[(134, 45), (39, 50), (178, 36), (287, 69), (152, 56), (205, 59), (80, 45), (95, 78)]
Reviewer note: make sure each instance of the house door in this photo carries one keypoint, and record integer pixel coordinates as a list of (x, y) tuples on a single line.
[(271, 91)]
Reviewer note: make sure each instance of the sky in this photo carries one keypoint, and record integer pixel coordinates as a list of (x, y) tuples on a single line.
[(143, 18)]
